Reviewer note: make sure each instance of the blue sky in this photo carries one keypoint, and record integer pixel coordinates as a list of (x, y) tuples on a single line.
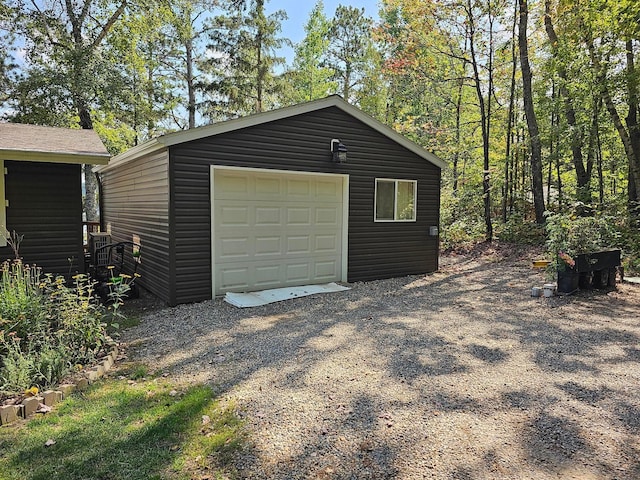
[(298, 13)]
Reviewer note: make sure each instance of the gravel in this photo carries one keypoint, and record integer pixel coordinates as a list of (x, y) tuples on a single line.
[(457, 374)]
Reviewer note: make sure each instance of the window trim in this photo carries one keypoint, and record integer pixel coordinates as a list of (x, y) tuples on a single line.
[(395, 200)]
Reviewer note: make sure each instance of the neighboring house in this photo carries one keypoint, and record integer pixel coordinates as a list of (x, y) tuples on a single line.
[(41, 192), (259, 202)]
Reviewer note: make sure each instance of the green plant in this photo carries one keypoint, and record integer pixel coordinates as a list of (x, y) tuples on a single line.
[(17, 366), (519, 230), (569, 235), (46, 326), (119, 288)]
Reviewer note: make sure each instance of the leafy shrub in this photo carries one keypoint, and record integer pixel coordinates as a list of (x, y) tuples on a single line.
[(519, 230), (569, 235), (461, 233), (46, 327)]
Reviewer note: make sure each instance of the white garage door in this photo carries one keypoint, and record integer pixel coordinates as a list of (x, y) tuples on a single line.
[(276, 229)]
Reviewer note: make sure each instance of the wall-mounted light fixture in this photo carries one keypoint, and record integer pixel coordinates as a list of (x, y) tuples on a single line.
[(338, 151)]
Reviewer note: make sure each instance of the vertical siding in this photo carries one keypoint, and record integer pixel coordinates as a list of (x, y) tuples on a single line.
[(376, 250), (45, 205), (135, 201)]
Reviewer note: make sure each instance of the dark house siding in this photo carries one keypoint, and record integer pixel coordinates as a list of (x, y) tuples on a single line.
[(301, 143), (45, 205), (136, 202)]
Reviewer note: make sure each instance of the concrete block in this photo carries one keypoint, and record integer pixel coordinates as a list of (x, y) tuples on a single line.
[(9, 414), (92, 375), (82, 383), (114, 350), (66, 389), (48, 398), (107, 363), (30, 405)]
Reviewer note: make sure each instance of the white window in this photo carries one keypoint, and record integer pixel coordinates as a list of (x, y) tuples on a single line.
[(395, 200)]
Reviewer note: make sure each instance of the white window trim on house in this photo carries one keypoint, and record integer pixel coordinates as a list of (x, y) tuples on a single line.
[(396, 181)]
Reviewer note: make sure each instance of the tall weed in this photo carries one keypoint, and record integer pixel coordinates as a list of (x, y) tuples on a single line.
[(46, 326)]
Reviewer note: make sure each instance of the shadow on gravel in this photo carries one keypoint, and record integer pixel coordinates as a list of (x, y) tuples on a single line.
[(438, 343), (555, 440)]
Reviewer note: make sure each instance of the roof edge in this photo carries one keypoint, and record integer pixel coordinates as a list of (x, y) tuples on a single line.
[(55, 157), (145, 148), (183, 136)]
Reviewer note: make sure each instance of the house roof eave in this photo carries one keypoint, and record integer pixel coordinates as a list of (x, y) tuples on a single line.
[(184, 136), (54, 157)]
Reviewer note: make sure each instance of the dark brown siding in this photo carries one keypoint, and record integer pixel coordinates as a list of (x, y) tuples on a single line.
[(135, 201), (45, 205), (376, 250)]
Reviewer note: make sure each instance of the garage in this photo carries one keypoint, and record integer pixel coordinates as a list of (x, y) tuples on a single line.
[(275, 229), (307, 194)]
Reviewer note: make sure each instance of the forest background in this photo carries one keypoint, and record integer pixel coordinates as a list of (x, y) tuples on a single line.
[(534, 104)]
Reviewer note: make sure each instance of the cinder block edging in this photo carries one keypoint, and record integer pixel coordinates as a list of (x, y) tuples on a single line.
[(30, 405)]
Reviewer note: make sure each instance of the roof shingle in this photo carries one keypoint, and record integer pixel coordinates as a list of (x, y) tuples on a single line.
[(18, 137)]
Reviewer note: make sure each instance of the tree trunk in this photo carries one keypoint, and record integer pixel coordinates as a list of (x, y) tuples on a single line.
[(583, 175), (484, 120), (91, 209), (510, 115), (191, 89), (630, 138), (634, 131), (456, 155), (532, 122)]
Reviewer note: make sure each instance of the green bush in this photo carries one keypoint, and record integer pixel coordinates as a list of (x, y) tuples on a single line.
[(569, 234), (519, 230), (46, 327)]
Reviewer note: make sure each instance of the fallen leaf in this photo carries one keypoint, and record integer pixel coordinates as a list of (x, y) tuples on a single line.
[(206, 419), (49, 442)]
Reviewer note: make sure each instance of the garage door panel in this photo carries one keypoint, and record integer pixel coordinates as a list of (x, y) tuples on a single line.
[(268, 215), (299, 188), (234, 277), (326, 244), (275, 229), (266, 276), (299, 216), (234, 248), (298, 272), (328, 191), (268, 246), (327, 216), (298, 244), (326, 270), (234, 186), (268, 186), (234, 215)]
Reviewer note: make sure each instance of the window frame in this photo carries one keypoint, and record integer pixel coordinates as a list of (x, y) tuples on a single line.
[(395, 181)]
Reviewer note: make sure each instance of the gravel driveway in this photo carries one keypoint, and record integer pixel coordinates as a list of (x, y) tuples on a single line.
[(458, 374)]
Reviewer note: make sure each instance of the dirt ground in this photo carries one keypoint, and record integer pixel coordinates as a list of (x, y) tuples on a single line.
[(459, 374)]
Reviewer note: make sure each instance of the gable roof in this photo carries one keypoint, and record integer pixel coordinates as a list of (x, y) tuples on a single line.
[(183, 136), (36, 143)]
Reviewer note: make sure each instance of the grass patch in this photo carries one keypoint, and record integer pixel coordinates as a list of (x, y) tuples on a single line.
[(117, 430)]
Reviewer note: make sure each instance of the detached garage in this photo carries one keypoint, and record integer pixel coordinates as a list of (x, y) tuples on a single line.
[(308, 194)]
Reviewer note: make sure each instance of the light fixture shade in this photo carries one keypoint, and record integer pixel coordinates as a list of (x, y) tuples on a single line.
[(338, 151)]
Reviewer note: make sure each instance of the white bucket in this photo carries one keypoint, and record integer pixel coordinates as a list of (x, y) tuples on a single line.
[(549, 289)]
